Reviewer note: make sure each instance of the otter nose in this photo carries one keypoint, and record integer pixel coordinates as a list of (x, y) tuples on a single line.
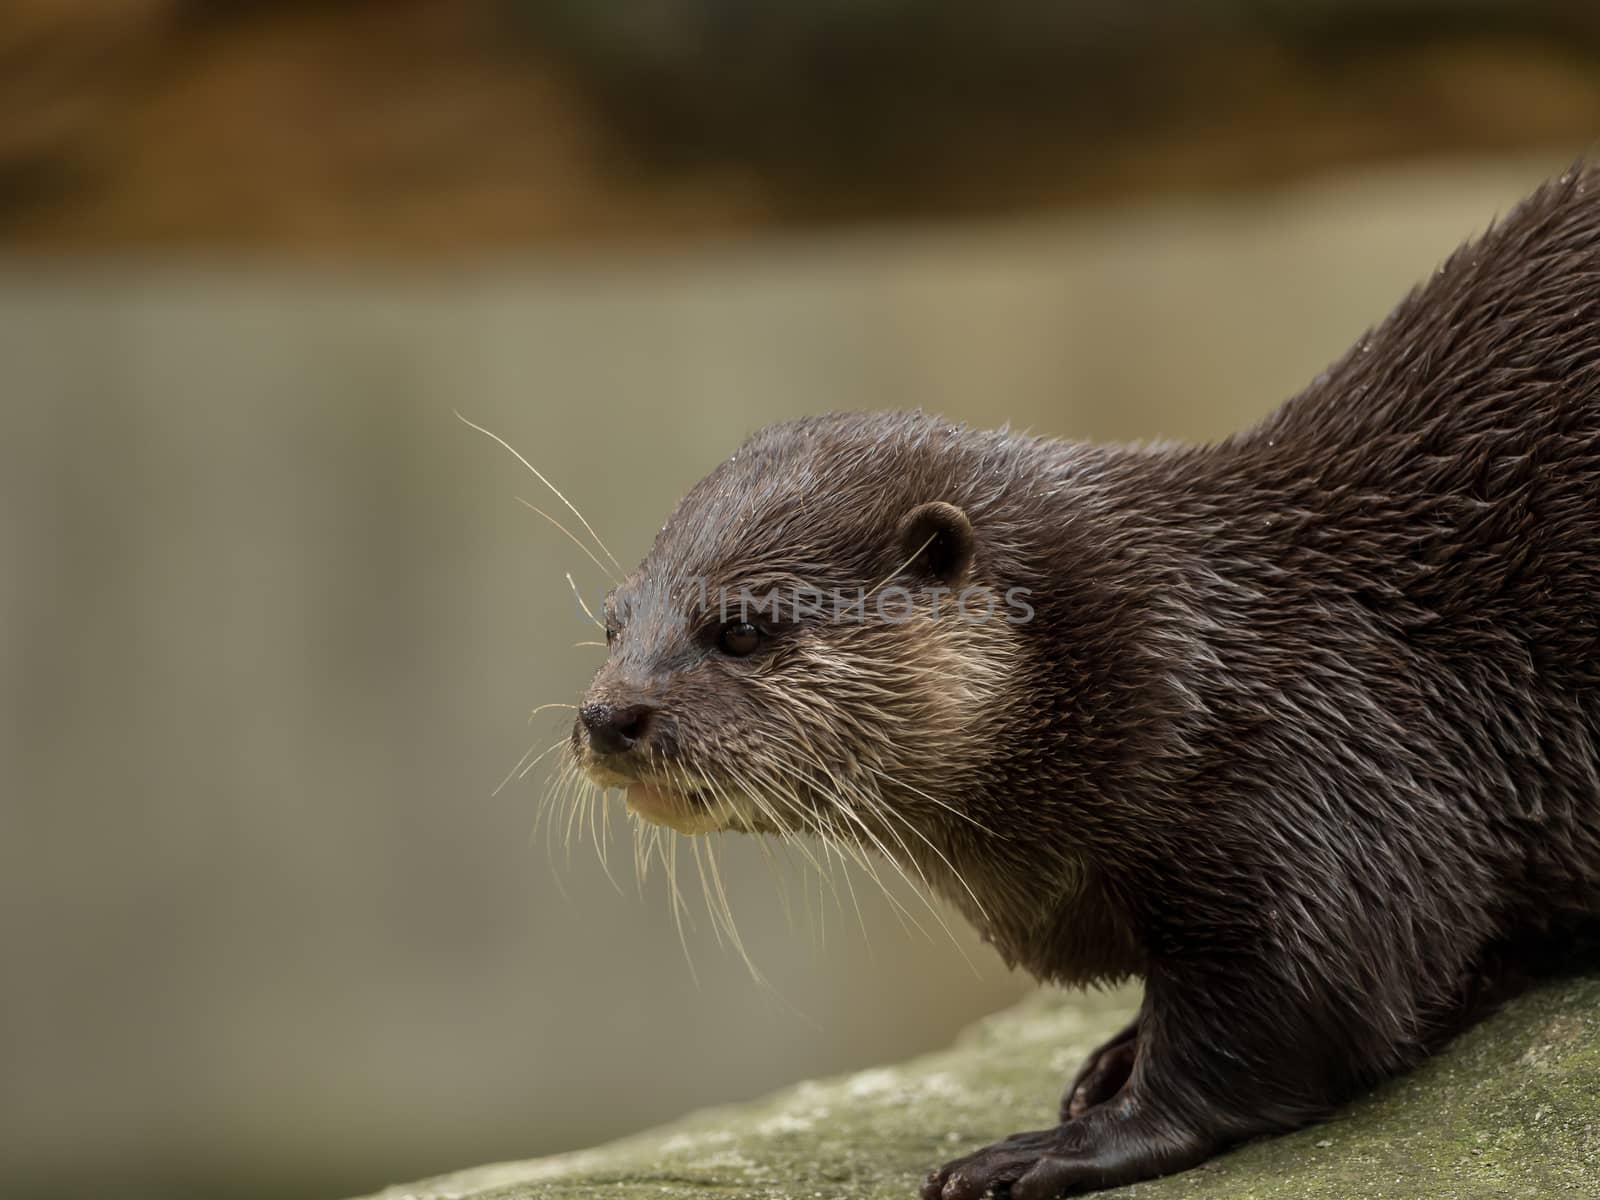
[(614, 728)]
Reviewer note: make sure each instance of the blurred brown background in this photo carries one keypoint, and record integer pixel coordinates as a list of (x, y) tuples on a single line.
[(273, 619)]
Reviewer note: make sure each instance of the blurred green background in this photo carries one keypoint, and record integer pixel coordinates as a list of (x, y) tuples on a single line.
[(274, 620)]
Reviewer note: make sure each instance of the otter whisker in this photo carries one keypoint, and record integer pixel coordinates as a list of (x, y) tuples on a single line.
[(669, 861), (787, 839), (889, 810), (553, 798), (841, 844), (727, 912), (604, 570), (727, 802), (568, 800), (542, 754), (565, 771), (600, 832), (784, 832), (780, 885), (875, 804), (553, 704), (511, 774), (944, 804), (822, 868), (550, 798), (842, 806), (575, 811), (641, 855), (900, 568), (822, 830), (700, 869), (855, 903), (705, 890), (904, 916), (537, 474), (849, 854), (523, 766), (666, 846), (810, 825), (583, 604)]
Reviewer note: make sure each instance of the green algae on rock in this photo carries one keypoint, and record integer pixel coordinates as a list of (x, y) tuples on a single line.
[(1510, 1109)]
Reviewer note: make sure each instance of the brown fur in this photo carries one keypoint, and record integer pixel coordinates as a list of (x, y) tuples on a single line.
[(1306, 723)]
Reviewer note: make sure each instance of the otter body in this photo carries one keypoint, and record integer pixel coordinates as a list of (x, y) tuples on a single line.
[(1304, 727)]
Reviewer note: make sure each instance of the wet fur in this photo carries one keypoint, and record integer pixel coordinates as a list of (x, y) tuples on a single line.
[(1305, 730)]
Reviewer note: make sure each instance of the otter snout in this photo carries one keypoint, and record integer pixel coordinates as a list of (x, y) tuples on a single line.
[(614, 728), (619, 747)]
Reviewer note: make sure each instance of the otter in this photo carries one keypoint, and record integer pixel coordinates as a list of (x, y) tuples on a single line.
[(1302, 727)]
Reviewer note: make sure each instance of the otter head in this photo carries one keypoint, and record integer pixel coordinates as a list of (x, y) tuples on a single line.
[(818, 642)]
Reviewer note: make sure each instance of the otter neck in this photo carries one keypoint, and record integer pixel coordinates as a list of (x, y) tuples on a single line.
[(1107, 707)]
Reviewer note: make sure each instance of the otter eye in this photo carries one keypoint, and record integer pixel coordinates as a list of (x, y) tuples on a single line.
[(739, 638)]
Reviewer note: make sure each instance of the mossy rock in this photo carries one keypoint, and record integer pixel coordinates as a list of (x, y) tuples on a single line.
[(1511, 1109)]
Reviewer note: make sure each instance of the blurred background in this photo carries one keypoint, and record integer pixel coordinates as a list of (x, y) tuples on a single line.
[(274, 621)]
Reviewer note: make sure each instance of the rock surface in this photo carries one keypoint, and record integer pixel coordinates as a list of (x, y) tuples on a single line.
[(1511, 1109)]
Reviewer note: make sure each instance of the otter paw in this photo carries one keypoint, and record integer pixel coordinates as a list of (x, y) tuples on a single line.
[(1102, 1076), (1025, 1166)]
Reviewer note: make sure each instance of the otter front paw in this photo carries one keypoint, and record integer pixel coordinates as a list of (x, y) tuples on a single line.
[(1003, 1169), (1112, 1145)]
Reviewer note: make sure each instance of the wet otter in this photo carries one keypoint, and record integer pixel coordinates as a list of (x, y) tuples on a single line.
[(1302, 727)]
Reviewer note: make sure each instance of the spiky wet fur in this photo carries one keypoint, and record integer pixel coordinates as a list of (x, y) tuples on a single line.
[(1305, 726)]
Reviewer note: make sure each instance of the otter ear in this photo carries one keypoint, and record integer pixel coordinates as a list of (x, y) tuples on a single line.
[(940, 537)]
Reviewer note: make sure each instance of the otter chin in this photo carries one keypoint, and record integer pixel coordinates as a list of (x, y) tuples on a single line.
[(1301, 727), (679, 807), (662, 806)]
